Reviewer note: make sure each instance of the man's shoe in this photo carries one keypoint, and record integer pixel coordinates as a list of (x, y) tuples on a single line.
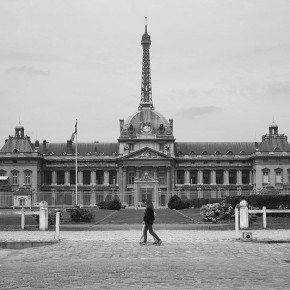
[(159, 243), (142, 244)]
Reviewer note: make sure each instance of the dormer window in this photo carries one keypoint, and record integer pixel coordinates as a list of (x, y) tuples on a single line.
[(230, 152), (217, 153), (192, 153), (131, 147), (15, 151), (242, 153), (277, 149), (204, 152)]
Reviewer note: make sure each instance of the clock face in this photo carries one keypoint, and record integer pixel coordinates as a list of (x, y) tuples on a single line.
[(147, 128)]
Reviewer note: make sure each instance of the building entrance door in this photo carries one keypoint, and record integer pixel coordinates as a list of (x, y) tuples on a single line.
[(146, 194)]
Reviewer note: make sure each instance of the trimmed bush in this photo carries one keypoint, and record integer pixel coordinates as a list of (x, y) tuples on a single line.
[(115, 204), (103, 205), (81, 215), (175, 202), (269, 201)]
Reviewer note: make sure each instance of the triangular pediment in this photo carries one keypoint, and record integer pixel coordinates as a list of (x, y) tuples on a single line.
[(146, 153)]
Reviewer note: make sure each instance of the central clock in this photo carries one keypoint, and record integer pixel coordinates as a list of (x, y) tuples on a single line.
[(146, 128)]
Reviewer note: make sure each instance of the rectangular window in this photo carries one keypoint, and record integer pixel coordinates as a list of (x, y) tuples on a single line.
[(278, 177), (162, 177), (245, 177), (112, 177), (131, 146), (60, 177), (206, 177), (27, 178), (15, 178), (72, 177), (232, 177), (161, 147), (86, 177), (265, 177), (219, 177), (131, 176), (180, 176), (100, 177), (193, 177)]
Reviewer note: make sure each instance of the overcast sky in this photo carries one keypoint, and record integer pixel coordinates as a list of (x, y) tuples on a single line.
[(220, 69)]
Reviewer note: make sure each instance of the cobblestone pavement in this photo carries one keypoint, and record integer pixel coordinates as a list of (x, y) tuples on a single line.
[(114, 260)]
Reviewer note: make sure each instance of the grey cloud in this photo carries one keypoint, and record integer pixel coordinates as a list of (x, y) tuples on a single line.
[(28, 71), (198, 111)]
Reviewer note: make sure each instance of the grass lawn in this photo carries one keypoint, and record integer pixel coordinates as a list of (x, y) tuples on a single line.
[(190, 216)]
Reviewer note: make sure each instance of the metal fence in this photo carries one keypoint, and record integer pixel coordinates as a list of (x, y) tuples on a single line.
[(67, 199)]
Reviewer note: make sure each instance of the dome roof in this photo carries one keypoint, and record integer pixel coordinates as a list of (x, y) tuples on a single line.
[(273, 125), (154, 122)]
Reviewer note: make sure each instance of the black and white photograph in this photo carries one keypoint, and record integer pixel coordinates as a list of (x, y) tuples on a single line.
[(144, 144)]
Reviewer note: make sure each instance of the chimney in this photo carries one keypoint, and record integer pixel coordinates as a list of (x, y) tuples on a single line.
[(44, 147), (171, 125), (121, 125), (69, 148)]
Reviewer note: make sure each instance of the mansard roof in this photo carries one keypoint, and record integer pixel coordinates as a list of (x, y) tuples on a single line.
[(14, 144), (273, 144), (83, 148), (211, 148)]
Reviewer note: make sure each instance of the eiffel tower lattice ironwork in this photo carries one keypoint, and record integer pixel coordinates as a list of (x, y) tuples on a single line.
[(146, 89)]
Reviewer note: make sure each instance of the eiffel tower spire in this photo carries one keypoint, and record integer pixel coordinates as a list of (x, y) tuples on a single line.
[(146, 90)]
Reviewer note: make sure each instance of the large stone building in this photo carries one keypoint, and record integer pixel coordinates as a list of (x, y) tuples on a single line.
[(146, 162)]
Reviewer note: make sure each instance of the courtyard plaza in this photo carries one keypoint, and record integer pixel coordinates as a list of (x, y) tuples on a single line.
[(109, 257)]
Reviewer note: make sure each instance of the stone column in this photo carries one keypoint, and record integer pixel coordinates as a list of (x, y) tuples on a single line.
[(250, 177), (155, 172), (226, 177), (93, 178), (213, 177), (80, 198), (53, 175), (106, 177), (199, 177), (117, 178), (124, 179), (67, 178), (168, 180), (172, 178), (53, 198), (80, 178), (239, 177), (186, 177), (120, 178), (137, 172), (93, 198)]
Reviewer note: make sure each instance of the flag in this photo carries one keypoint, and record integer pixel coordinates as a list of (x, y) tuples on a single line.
[(75, 131)]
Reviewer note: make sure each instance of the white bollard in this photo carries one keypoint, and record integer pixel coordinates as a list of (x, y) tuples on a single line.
[(43, 216), (237, 223), (57, 222), (244, 215), (264, 217), (22, 219)]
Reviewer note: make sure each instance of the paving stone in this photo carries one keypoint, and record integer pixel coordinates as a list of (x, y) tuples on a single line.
[(114, 260)]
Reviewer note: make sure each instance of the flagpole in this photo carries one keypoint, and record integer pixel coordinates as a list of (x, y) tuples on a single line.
[(76, 132)]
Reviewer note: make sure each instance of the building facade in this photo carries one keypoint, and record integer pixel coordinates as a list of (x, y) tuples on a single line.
[(145, 163)]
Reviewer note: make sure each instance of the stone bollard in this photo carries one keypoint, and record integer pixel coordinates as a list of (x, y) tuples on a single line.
[(43, 216), (244, 215), (57, 222)]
